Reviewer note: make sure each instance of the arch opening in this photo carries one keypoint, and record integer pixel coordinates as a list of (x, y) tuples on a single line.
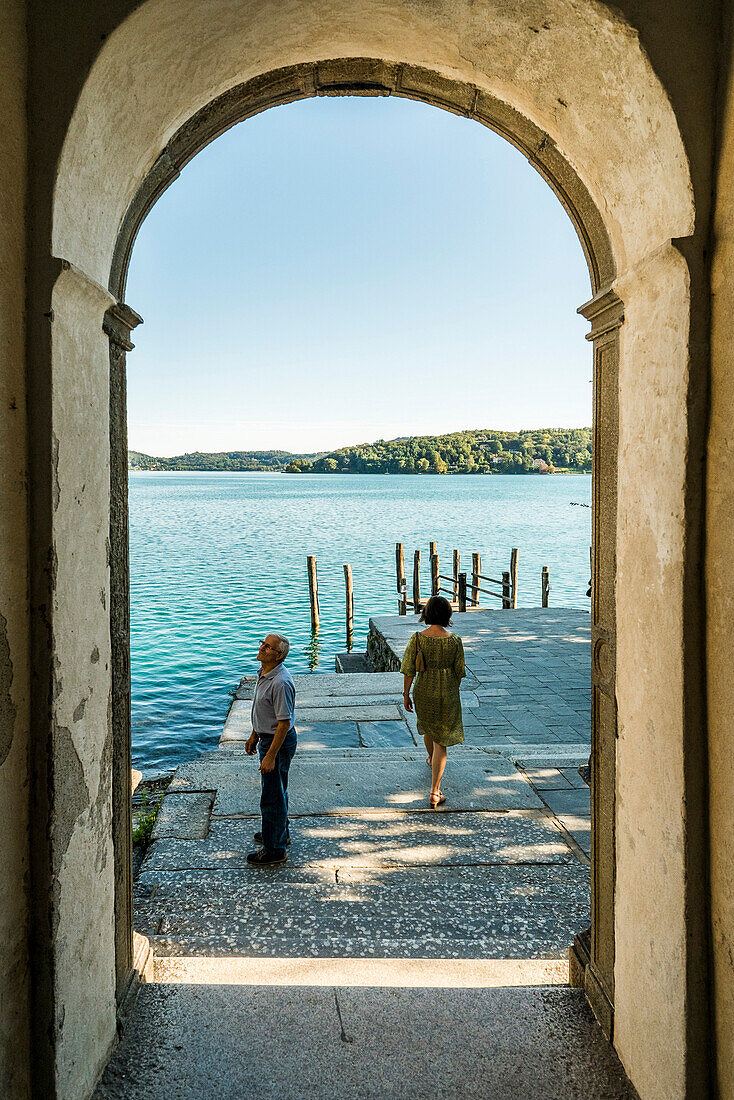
[(593, 954)]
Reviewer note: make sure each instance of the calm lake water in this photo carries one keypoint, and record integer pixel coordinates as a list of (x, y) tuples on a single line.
[(217, 560)]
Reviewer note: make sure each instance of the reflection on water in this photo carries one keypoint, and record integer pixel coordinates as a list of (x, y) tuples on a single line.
[(312, 651)]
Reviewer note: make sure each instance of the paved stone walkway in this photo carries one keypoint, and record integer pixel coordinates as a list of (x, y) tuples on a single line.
[(404, 923)]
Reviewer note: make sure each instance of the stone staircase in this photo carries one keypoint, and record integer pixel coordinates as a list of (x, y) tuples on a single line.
[(373, 872)]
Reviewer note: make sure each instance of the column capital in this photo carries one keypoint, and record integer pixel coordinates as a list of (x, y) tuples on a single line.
[(119, 321), (605, 311)]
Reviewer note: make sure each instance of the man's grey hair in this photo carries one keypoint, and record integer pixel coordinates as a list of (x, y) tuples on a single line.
[(283, 644)]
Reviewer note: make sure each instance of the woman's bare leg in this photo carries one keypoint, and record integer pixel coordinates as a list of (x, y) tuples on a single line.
[(428, 742), (438, 763)]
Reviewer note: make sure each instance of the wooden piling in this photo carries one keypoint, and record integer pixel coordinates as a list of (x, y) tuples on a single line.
[(403, 599), (506, 600), (462, 591), (350, 605), (476, 568), (432, 549), (400, 565), (313, 591), (457, 566), (544, 585), (435, 583), (417, 582), (513, 575)]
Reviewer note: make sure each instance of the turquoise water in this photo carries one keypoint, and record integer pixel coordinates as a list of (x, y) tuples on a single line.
[(218, 560)]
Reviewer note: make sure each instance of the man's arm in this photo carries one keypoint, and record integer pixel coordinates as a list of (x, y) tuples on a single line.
[(267, 763)]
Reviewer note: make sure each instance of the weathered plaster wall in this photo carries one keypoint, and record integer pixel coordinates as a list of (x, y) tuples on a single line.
[(81, 789), (720, 591), (14, 984)]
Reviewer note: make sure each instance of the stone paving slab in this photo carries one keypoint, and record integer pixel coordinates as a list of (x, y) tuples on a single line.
[(485, 1044), (384, 712), (548, 779), (511, 911), (332, 683), (184, 816), (328, 735), (380, 840), (323, 702), (375, 735)]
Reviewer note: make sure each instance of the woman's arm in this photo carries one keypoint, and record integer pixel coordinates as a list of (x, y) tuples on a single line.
[(407, 701), (408, 670)]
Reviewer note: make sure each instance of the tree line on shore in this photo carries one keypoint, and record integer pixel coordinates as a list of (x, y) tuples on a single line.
[(543, 450)]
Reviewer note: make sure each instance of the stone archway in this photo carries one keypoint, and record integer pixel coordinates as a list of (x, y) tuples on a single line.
[(167, 82), (593, 962)]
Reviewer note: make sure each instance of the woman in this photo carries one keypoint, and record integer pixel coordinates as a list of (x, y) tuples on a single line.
[(437, 657)]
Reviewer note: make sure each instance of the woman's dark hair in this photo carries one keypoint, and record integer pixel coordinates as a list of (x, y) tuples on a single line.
[(437, 612)]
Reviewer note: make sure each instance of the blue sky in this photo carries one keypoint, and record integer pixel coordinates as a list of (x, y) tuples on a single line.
[(342, 270)]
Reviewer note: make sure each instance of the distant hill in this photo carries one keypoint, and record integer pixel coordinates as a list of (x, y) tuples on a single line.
[(479, 451), (224, 460), (476, 451)]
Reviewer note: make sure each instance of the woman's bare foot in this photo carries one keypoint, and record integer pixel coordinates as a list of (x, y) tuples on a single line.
[(436, 799)]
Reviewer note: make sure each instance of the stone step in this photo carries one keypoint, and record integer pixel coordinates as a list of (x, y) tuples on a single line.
[(370, 973), (376, 841), (352, 783), (351, 663), (520, 911)]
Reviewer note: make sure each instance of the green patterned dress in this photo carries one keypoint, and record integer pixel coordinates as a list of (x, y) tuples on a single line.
[(436, 689)]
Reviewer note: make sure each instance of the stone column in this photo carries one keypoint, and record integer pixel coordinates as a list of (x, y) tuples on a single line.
[(119, 321), (592, 958)]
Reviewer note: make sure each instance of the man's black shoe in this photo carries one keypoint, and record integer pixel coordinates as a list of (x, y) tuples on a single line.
[(258, 838), (263, 858)]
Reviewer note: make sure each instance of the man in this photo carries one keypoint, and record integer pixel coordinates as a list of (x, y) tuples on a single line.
[(273, 713)]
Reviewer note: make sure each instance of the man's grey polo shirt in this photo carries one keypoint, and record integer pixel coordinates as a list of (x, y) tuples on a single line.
[(274, 701)]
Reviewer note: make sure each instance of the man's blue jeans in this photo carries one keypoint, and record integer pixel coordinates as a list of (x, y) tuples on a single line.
[(274, 794)]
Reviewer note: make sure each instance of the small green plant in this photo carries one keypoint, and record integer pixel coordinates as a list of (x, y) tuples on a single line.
[(143, 831)]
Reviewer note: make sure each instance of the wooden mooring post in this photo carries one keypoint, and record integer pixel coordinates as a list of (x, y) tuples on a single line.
[(403, 599), (313, 591), (506, 601), (400, 565), (350, 606), (476, 569), (417, 582), (544, 585), (513, 575), (432, 549), (462, 591), (435, 582), (457, 566)]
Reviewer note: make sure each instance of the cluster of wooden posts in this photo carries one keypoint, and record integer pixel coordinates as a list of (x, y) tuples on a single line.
[(456, 587), (462, 590)]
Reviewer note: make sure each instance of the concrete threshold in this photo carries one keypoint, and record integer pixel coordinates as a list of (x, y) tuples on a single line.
[(367, 973)]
